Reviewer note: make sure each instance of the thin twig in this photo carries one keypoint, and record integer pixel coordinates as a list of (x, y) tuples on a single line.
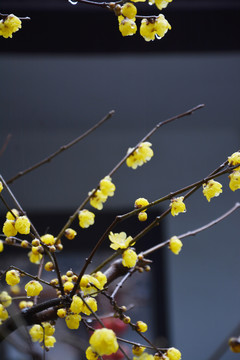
[(5, 144), (194, 232), (61, 149)]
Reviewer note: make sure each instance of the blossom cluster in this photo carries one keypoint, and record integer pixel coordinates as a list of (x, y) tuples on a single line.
[(9, 25), (99, 196)]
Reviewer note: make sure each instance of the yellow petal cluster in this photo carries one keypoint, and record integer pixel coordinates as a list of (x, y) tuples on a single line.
[(90, 284), (234, 183), (73, 321), (177, 206), (175, 245), (33, 288), (129, 258), (140, 156), (42, 333), (70, 233), (212, 189), (9, 26), (154, 27), (104, 342), (86, 218), (141, 326), (5, 299), (106, 188), (160, 4), (173, 354), (119, 240), (12, 277), (234, 159), (3, 313), (146, 356)]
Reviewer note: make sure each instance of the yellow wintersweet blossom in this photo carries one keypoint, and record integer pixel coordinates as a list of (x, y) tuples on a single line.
[(138, 350), (234, 183), (129, 258), (90, 354), (234, 159), (129, 10), (97, 199), (86, 218), (22, 225), (76, 304), (127, 27), (141, 326), (119, 240), (154, 27), (33, 288), (107, 187), (1, 246), (104, 342), (160, 4), (90, 284), (177, 206), (12, 215), (73, 321), (92, 304), (173, 354), (48, 239), (141, 155), (9, 25), (9, 228), (212, 189), (70, 233), (175, 245), (34, 258), (3, 313), (43, 332), (12, 277), (5, 299)]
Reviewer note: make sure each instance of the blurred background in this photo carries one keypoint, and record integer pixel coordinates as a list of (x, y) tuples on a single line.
[(65, 70)]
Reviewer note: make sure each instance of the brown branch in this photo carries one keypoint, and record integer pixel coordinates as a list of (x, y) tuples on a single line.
[(61, 149), (194, 232)]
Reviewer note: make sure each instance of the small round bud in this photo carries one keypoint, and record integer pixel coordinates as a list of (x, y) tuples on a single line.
[(234, 344), (70, 234), (54, 282), (74, 278), (35, 242), (140, 269), (126, 319), (24, 244), (9, 240), (40, 249), (138, 350), (61, 313), (118, 10), (147, 268), (142, 216), (52, 248), (123, 308), (64, 278), (69, 273), (140, 257), (59, 247), (49, 266)]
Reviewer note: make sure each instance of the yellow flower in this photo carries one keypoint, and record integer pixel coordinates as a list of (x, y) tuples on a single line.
[(5, 299), (73, 321), (97, 199), (138, 350), (212, 189), (3, 313), (141, 326), (68, 286), (234, 183), (9, 25), (177, 206), (87, 288), (173, 354), (33, 288), (22, 225), (129, 258), (48, 239), (49, 341), (104, 342), (12, 215), (161, 4), (34, 258), (92, 303), (127, 27), (119, 240), (61, 313), (1, 186), (36, 333), (70, 234), (234, 159), (86, 218), (12, 277), (107, 187), (102, 279), (76, 304), (154, 27), (90, 354), (175, 245), (129, 10), (9, 228), (140, 202), (1, 246), (234, 344), (140, 156)]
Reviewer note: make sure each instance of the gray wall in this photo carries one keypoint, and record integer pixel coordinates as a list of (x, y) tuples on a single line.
[(47, 101)]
